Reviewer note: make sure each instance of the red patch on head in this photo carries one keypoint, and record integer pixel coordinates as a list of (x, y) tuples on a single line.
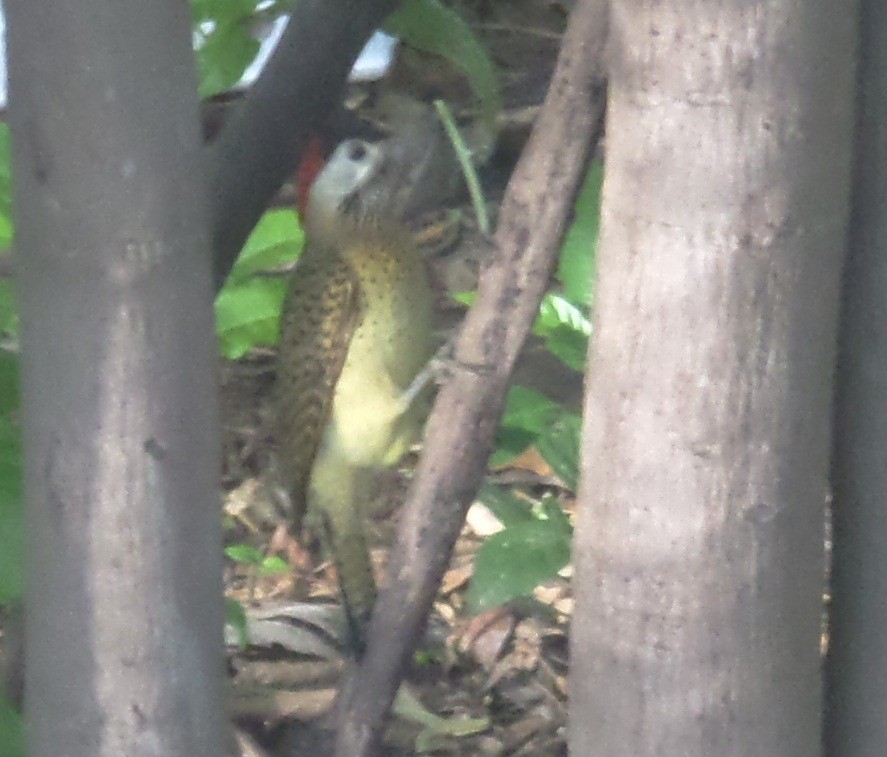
[(313, 160)]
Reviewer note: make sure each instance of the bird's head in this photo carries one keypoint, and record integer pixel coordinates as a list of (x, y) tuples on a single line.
[(343, 189), (392, 181)]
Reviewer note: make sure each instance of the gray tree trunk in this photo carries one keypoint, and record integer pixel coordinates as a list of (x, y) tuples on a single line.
[(856, 702), (124, 603), (699, 543)]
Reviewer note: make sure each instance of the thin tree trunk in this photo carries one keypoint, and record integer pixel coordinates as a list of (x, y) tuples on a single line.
[(699, 543), (124, 603), (462, 425), (856, 709)]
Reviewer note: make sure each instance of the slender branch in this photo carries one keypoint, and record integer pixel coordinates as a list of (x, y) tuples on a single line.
[(469, 172), (462, 425), (297, 91)]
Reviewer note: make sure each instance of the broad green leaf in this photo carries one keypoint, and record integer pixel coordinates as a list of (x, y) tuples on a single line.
[(434, 28), (515, 561), (248, 307), (245, 553), (556, 311), (576, 266), (560, 446), (505, 505), (550, 509), (571, 347), (565, 329), (527, 414), (529, 409), (248, 315), (223, 55), (276, 240), (510, 442)]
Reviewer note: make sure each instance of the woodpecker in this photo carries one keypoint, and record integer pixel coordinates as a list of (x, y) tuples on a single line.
[(356, 333)]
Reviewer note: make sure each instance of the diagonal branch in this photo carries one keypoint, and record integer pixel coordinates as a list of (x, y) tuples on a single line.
[(462, 425), (297, 91)]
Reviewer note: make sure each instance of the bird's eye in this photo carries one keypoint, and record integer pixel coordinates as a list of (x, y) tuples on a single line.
[(357, 151)]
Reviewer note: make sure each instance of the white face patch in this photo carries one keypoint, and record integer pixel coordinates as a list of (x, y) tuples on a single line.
[(349, 168)]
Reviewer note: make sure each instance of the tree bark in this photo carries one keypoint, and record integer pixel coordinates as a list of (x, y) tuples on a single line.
[(857, 663), (460, 431), (124, 602), (699, 547)]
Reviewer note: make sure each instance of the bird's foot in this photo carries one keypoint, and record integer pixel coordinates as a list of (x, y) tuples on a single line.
[(438, 370)]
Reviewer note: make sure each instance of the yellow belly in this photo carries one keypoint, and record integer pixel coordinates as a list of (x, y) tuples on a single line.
[(370, 425)]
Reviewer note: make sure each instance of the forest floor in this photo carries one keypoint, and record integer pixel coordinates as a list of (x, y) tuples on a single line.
[(494, 683)]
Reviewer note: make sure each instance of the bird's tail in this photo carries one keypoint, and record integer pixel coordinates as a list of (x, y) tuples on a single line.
[(347, 545), (338, 490)]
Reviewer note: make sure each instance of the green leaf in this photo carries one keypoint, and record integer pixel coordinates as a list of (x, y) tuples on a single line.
[(530, 410), (9, 385), (248, 315), (12, 730), (555, 311), (8, 308), (273, 565), (560, 446), (569, 346), (550, 509), (248, 307), (508, 508), (510, 442), (11, 495), (244, 553), (11, 513), (527, 414), (515, 561), (221, 10), (565, 329), (235, 616), (276, 240), (422, 657), (434, 28), (223, 56), (464, 298), (576, 266), (249, 555), (7, 228)]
